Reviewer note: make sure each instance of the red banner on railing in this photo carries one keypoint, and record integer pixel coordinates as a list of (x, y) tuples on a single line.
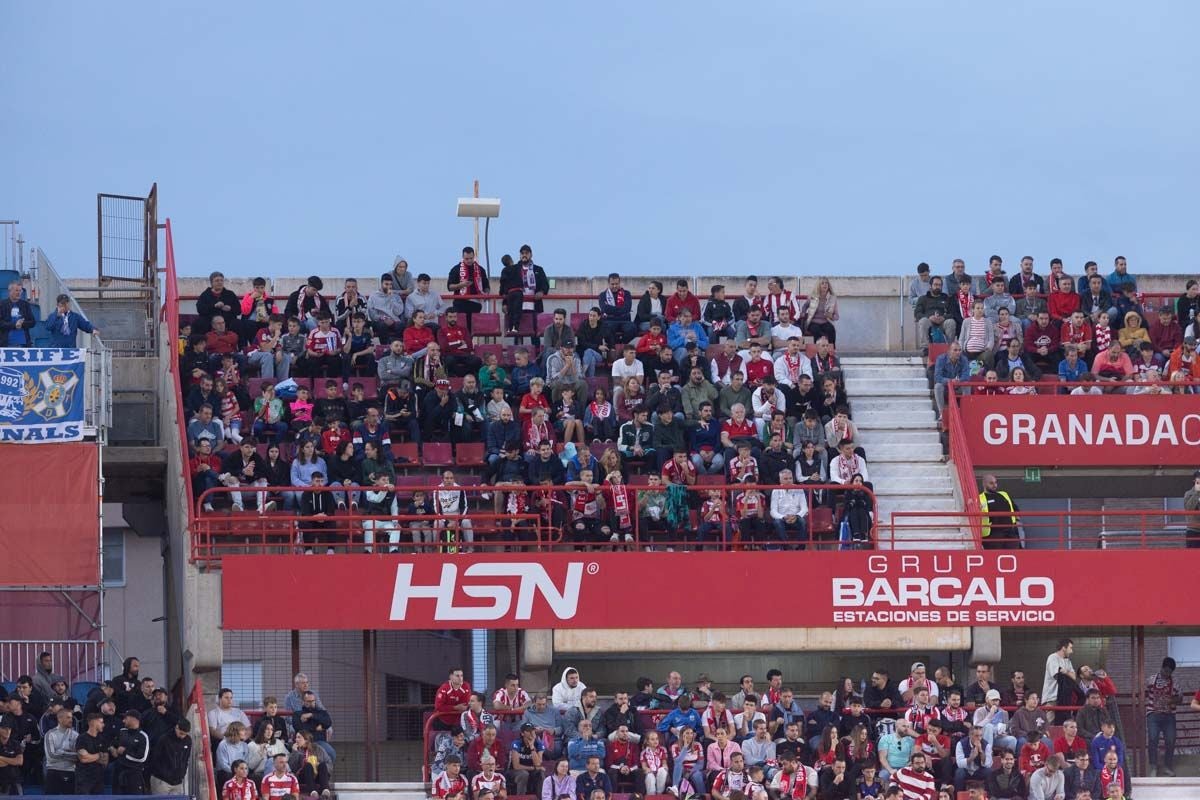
[(50, 515), (664, 590), (1088, 430)]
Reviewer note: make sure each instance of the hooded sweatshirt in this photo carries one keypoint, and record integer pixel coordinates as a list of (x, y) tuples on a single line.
[(564, 696), (44, 679)]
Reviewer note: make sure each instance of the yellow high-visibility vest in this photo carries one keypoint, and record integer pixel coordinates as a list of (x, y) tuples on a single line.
[(983, 506)]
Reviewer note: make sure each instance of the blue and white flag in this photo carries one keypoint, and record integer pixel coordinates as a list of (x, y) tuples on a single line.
[(41, 394)]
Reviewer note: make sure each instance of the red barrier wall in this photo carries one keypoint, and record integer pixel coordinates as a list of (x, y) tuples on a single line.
[(49, 515)]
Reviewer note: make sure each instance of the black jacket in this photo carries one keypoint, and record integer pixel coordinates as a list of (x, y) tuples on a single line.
[(1016, 285), (10, 335), (236, 466), (157, 725), (1032, 373), (278, 475), (873, 698), (510, 279), (301, 308), (468, 306), (206, 307), (137, 748), (929, 304), (589, 338), (319, 717), (643, 309), (312, 503), (170, 757)]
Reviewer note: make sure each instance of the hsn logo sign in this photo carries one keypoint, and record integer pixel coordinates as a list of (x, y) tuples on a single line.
[(531, 580)]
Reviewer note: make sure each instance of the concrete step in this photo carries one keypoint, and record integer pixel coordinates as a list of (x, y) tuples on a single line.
[(886, 433), (381, 791), (876, 419), (1166, 788), (914, 476), (883, 373), (908, 453), (848, 361), (887, 391), (857, 386)]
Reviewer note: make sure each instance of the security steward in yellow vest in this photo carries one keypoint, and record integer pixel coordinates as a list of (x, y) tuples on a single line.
[(1001, 531)]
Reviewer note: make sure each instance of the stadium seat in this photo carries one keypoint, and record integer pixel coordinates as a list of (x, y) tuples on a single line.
[(81, 689), (437, 454), (254, 387), (544, 320), (710, 480), (594, 383), (530, 324), (577, 318), (935, 350), (370, 387), (408, 450), (712, 351), (456, 384), (469, 454), (485, 324), (484, 350), (9, 686)]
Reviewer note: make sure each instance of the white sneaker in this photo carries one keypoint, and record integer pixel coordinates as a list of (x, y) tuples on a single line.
[(670, 549), (485, 495), (673, 790), (238, 507), (328, 551), (270, 506), (629, 537), (308, 552), (614, 538), (207, 506)]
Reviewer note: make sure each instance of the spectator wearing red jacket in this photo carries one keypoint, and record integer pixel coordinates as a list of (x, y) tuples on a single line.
[(457, 347), (1165, 332), (1064, 302), (683, 298), (1043, 343), (1033, 757), (621, 760), (452, 697)]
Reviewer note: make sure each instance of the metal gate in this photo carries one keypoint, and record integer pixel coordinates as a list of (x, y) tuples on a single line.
[(127, 238)]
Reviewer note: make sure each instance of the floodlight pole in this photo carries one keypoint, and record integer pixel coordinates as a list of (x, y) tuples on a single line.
[(477, 222)]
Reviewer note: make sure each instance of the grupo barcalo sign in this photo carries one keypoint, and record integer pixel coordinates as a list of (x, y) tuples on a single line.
[(626, 590), (1089, 430)]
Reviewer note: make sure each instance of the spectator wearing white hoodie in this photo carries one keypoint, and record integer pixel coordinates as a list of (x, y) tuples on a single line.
[(568, 691)]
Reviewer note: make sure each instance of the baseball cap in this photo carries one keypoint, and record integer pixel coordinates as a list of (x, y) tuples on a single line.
[(442, 383), (129, 712), (916, 666), (528, 726), (992, 695)]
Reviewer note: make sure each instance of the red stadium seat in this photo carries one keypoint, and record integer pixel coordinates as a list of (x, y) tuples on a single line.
[(484, 350), (577, 318), (935, 350), (710, 480), (544, 320), (469, 454), (456, 384), (370, 387), (485, 324), (437, 454), (531, 324), (594, 383), (410, 451)]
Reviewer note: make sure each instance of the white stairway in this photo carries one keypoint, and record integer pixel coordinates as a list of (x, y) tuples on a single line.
[(891, 406), (381, 791), (1166, 788)]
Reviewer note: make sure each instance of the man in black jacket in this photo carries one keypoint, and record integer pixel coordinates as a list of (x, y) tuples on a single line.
[(170, 757), (520, 283), (315, 720), (933, 310), (319, 508), (132, 752), (217, 300), (159, 719), (245, 467), (16, 319), (882, 693), (468, 277)]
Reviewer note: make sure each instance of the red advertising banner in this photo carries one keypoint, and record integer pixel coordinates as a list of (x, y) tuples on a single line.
[(664, 590), (1084, 431), (50, 515)]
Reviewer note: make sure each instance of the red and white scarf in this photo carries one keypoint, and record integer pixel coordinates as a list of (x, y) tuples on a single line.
[(473, 276), (848, 468), (600, 410), (619, 494)]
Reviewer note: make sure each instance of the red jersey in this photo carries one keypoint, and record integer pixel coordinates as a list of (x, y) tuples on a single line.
[(915, 785), (712, 511), (728, 781), (746, 429), (1070, 749), (214, 464), (221, 343), (750, 504), (332, 438), (931, 754), (757, 369), (673, 473), (275, 786), (694, 754), (674, 304), (246, 790), (454, 340), (919, 717), (444, 785), (448, 697), (710, 721), (324, 343), (619, 753), (416, 338), (480, 782), (738, 469), (530, 402), (1033, 757), (501, 699), (1072, 335), (654, 759), (649, 343)]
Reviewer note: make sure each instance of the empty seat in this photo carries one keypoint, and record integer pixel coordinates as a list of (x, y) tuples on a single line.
[(437, 454), (484, 350), (544, 320), (469, 454), (578, 318), (485, 324), (410, 451), (456, 384)]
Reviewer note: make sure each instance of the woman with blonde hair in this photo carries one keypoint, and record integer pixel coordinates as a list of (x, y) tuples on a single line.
[(820, 311)]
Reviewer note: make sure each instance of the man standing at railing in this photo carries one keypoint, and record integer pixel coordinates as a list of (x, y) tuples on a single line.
[(1191, 502), (64, 325), (1001, 526), (1162, 698)]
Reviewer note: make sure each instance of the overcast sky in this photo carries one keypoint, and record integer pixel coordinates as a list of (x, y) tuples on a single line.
[(653, 138)]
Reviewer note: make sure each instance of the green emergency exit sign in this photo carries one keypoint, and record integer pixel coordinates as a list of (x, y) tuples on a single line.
[(1033, 474)]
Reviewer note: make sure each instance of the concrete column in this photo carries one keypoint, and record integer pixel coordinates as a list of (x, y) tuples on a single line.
[(985, 646), (537, 653)]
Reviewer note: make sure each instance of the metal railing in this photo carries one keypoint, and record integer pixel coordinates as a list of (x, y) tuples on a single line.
[(74, 660), (201, 780), (1055, 530), (169, 315), (218, 533), (964, 469)]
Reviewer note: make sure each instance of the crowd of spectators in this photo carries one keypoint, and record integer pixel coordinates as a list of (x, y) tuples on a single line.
[(620, 420), (126, 734), (1096, 330), (925, 734)]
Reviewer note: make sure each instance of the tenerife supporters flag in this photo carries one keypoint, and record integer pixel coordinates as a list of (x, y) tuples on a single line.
[(41, 394)]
